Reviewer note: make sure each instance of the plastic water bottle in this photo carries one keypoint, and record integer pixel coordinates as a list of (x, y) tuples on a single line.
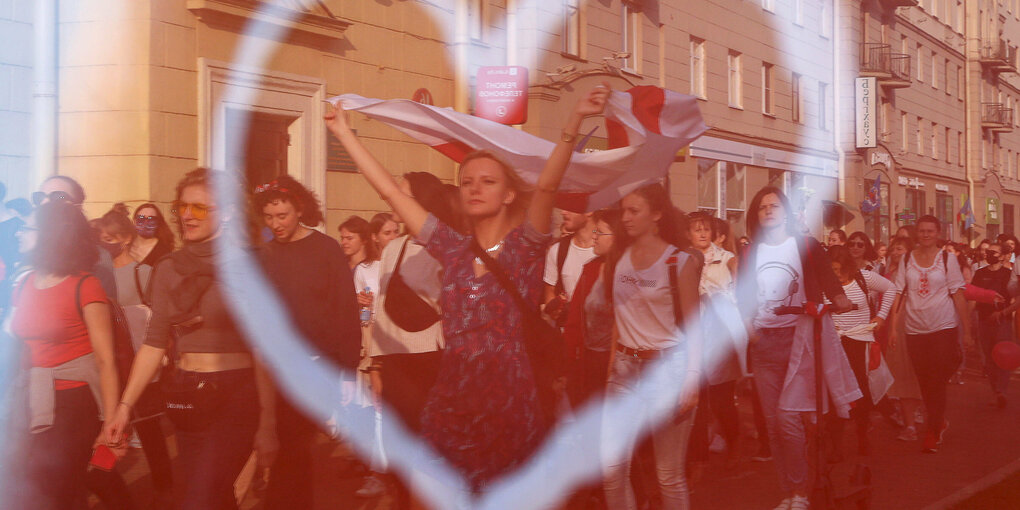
[(366, 311)]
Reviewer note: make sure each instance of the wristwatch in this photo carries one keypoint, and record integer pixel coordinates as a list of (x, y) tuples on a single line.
[(566, 137)]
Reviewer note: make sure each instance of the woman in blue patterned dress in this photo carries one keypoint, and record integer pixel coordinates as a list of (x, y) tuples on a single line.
[(483, 414)]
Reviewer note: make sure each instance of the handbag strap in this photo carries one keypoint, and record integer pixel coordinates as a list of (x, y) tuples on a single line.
[(400, 258), (674, 287), (497, 270)]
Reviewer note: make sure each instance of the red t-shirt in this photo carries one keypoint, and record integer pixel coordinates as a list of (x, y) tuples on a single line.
[(50, 323)]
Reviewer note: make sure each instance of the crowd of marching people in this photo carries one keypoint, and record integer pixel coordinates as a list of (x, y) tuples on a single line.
[(480, 326)]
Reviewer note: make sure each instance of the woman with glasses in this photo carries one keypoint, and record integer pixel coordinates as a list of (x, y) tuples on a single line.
[(154, 239), (864, 254), (223, 402)]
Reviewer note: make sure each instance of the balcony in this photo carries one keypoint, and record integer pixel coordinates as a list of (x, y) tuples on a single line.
[(996, 117), (892, 4), (879, 61), (999, 57)]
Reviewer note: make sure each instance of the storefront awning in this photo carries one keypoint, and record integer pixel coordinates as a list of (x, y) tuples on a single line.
[(836, 213)]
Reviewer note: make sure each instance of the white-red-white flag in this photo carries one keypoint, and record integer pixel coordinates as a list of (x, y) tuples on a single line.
[(646, 127)]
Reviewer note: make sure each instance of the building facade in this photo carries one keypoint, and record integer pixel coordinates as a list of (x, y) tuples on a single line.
[(149, 90)]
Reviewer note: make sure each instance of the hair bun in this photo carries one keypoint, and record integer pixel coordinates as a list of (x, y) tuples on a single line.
[(121, 208)]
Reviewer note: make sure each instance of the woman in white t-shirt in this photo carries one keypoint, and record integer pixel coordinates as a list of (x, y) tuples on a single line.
[(857, 328), (933, 295), (646, 332), (783, 269)]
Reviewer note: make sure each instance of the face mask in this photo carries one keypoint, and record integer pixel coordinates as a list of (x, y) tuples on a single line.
[(991, 258), (114, 248), (146, 231)]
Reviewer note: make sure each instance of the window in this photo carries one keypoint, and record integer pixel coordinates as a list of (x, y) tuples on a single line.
[(823, 105), (946, 138), (1007, 219), (959, 148), (736, 89), (768, 105), (631, 39), (885, 112), (825, 20), (934, 140), (904, 45), (914, 204), (934, 71), (944, 213), (769, 5), (904, 132), (960, 86), (795, 97), (736, 192), (920, 62), (798, 12), (476, 19), (920, 137), (945, 71), (572, 27), (698, 68), (1009, 163), (708, 185)]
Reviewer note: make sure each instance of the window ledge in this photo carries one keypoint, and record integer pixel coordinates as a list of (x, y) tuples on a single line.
[(630, 72), (735, 107), (769, 115), (571, 56)]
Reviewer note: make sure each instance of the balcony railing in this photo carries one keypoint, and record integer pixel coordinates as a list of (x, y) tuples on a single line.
[(996, 117), (879, 61), (999, 56), (892, 4)]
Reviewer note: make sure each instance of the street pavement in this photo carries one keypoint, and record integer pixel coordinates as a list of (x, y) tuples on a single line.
[(982, 441)]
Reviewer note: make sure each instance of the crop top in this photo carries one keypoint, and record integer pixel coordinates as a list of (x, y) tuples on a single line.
[(171, 278)]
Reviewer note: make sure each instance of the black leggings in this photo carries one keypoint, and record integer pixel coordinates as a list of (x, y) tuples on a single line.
[(58, 457), (722, 405), (935, 357)]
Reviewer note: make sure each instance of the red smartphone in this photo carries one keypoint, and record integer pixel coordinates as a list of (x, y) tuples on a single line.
[(103, 458)]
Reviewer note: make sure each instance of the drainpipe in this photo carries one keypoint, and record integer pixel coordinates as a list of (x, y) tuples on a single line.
[(44, 92), (837, 83), (511, 33), (972, 36), (460, 51)]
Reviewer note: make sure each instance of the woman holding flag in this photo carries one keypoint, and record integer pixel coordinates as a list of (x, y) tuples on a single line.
[(483, 413)]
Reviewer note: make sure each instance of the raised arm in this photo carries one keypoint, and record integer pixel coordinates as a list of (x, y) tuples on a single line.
[(407, 207), (540, 210)]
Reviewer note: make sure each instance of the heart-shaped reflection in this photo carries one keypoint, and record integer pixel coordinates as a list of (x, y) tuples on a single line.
[(573, 453)]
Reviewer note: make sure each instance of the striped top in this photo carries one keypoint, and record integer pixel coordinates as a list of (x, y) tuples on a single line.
[(851, 324)]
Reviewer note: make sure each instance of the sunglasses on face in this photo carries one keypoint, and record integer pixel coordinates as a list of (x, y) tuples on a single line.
[(857, 244), (146, 220), (39, 197), (198, 211)]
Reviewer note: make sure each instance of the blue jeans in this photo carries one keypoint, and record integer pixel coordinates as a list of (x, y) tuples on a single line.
[(990, 334), (669, 440), (211, 458), (770, 356)]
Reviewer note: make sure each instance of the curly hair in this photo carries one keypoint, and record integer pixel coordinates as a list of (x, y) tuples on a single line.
[(66, 243), (287, 189)]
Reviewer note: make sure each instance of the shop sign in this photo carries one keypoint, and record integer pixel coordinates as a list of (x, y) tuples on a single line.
[(866, 102), (501, 94), (906, 216), (992, 211), (882, 158), (913, 182), (942, 187)]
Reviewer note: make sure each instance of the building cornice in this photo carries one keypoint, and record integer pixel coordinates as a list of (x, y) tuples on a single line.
[(320, 24)]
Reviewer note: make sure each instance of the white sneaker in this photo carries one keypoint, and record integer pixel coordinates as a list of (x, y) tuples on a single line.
[(718, 444), (134, 442), (373, 487), (784, 504), (799, 503)]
